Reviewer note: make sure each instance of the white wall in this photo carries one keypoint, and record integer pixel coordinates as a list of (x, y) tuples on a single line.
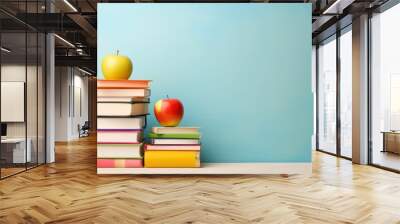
[(71, 102), (15, 72), (80, 108), (50, 94), (62, 81)]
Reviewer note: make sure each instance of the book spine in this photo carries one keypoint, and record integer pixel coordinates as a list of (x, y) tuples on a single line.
[(119, 163), (172, 159), (160, 141), (115, 151), (122, 116), (126, 84), (172, 147), (174, 136), (120, 130)]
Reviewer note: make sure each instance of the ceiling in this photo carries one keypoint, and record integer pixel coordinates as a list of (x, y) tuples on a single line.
[(75, 21)]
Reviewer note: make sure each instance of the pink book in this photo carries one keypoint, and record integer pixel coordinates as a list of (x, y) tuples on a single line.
[(119, 163)]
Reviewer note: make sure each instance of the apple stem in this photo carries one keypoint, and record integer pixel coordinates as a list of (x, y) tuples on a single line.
[(117, 52), (167, 96)]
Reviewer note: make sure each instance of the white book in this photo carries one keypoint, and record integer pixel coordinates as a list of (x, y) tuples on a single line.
[(173, 147), (119, 136), (119, 151), (175, 141), (122, 99), (175, 130), (122, 123), (122, 109), (123, 92)]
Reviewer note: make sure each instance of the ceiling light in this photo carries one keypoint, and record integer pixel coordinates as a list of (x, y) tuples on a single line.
[(64, 40), (329, 9), (338, 6), (70, 5), (5, 50), (84, 71)]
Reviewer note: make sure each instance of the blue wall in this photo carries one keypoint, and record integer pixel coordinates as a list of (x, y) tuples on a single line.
[(242, 71)]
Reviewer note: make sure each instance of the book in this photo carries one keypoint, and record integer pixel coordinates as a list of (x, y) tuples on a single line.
[(123, 84), (156, 141), (171, 159), (122, 109), (174, 130), (119, 136), (119, 163), (119, 151), (123, 93), (123, 99), (175, 136), (172, 147), (121, 123)]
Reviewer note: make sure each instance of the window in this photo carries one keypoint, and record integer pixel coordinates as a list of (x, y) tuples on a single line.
[(346, 93), (22, 76), (332, 137), (385, 89), (327, 96)]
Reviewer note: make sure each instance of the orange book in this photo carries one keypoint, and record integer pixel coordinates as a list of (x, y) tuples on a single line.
[(123, 84), (171, 159)]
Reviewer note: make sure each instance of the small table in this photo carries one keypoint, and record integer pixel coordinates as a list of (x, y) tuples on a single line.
[(391, 141)]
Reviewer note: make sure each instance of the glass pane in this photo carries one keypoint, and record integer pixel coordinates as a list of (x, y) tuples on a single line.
[(327, 96), (41, 98), (386, 89), (31, 98), (32, 89), (346, 93), (22, 88), (14, 154)]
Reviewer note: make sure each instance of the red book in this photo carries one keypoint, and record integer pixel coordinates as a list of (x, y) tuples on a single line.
[(123, 84), (119, 163)]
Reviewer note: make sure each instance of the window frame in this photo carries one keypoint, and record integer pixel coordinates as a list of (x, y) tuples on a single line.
[(334, 37)]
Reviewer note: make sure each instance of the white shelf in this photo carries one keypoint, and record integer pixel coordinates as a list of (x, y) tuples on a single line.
[(219, 168)]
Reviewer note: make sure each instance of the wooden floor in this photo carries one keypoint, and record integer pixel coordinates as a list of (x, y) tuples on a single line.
[(69, 191), (5, 172), (386, 159)]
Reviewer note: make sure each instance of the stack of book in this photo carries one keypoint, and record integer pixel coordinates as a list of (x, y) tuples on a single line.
[(122, 107), (173, 147)]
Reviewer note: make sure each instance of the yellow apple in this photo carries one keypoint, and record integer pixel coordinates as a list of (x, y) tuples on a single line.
[(116, 67)]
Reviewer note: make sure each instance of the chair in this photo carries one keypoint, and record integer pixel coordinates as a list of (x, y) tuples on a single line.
[(84, 130)]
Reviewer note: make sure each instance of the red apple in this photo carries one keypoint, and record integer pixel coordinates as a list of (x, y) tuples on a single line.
[(169, 112)]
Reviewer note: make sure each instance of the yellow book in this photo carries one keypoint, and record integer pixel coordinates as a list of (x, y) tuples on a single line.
[(171, 159)]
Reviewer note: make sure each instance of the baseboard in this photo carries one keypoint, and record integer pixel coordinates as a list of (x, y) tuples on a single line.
[(220, 168)]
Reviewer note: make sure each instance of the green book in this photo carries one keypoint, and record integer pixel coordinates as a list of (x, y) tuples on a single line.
[(180, 136)]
